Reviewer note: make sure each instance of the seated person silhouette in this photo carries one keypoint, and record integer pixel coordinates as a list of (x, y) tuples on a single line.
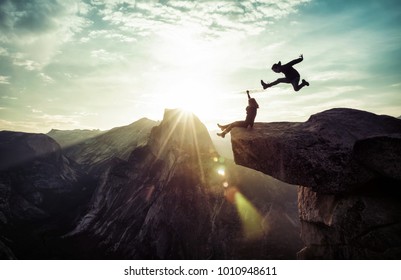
[(291, 75), (251, 110)]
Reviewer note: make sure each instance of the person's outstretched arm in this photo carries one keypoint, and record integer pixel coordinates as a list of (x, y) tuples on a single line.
[(295, 61), (247, 92)]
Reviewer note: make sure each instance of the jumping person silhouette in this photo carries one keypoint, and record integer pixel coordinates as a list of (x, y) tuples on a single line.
[(291, 75), (251, 111)]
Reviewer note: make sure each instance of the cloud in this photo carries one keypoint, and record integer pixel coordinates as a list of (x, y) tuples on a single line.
[(28, 64), (36, 29), (5, 80), (26, 17), (39, 121), (216, 17), (3, 52), (103, 56), (338, 76), (47, 79), (108, 34), (9, 97)]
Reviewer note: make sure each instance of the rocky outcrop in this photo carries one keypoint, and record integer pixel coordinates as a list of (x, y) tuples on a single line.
[(346, 162), (168, 201), (41, 192)]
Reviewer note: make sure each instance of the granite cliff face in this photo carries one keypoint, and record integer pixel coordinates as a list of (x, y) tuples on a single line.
[(167, 201), (41, 194), (346, 163)]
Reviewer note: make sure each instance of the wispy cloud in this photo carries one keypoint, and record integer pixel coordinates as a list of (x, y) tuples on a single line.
[(102, 55), (9, 97), (5, 80), (43, 122), (46, 79), (215, 17), (36, 29)]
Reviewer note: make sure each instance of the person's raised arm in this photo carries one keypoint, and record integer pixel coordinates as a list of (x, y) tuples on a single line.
[(295, 61), (247, 92)]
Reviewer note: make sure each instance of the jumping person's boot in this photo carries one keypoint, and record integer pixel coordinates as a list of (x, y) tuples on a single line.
[(221, 134), (264, 85), (305, 82)]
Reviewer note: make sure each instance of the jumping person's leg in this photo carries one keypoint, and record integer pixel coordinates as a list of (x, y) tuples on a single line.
[(280, 80), (297, 86)]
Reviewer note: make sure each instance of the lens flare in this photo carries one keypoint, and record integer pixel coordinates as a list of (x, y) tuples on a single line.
[(252, 222)]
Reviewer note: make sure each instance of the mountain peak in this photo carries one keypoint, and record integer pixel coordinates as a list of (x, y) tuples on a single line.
[(19, 147), (182, 128)]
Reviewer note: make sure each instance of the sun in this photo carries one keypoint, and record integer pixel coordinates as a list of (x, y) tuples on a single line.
[(189, 78)]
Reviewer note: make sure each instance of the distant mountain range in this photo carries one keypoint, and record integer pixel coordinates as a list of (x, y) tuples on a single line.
[(147, 190), (92, 149)]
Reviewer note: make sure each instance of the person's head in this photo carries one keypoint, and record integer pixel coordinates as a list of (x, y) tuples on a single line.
[(277, 67)]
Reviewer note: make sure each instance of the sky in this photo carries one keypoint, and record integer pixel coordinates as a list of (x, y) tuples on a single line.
[(69, 64)]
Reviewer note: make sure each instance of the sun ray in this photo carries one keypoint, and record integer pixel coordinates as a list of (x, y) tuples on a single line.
[(194, 136), (169, 135)]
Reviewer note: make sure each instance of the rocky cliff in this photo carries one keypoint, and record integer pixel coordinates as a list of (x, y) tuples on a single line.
[(175, 198), (346, 163)]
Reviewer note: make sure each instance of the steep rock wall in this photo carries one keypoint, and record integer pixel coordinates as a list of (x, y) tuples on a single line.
[(346, 163)]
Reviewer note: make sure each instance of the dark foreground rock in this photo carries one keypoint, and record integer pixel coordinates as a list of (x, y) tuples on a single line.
[(346, 162), (41, 195)]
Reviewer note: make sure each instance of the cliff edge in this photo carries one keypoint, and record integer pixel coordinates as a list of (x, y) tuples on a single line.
[(346, 163)]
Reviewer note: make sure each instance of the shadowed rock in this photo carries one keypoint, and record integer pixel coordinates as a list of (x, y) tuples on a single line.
[(319, 153), (346, 162), (41, 194), (167, 201), (161, 193)]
